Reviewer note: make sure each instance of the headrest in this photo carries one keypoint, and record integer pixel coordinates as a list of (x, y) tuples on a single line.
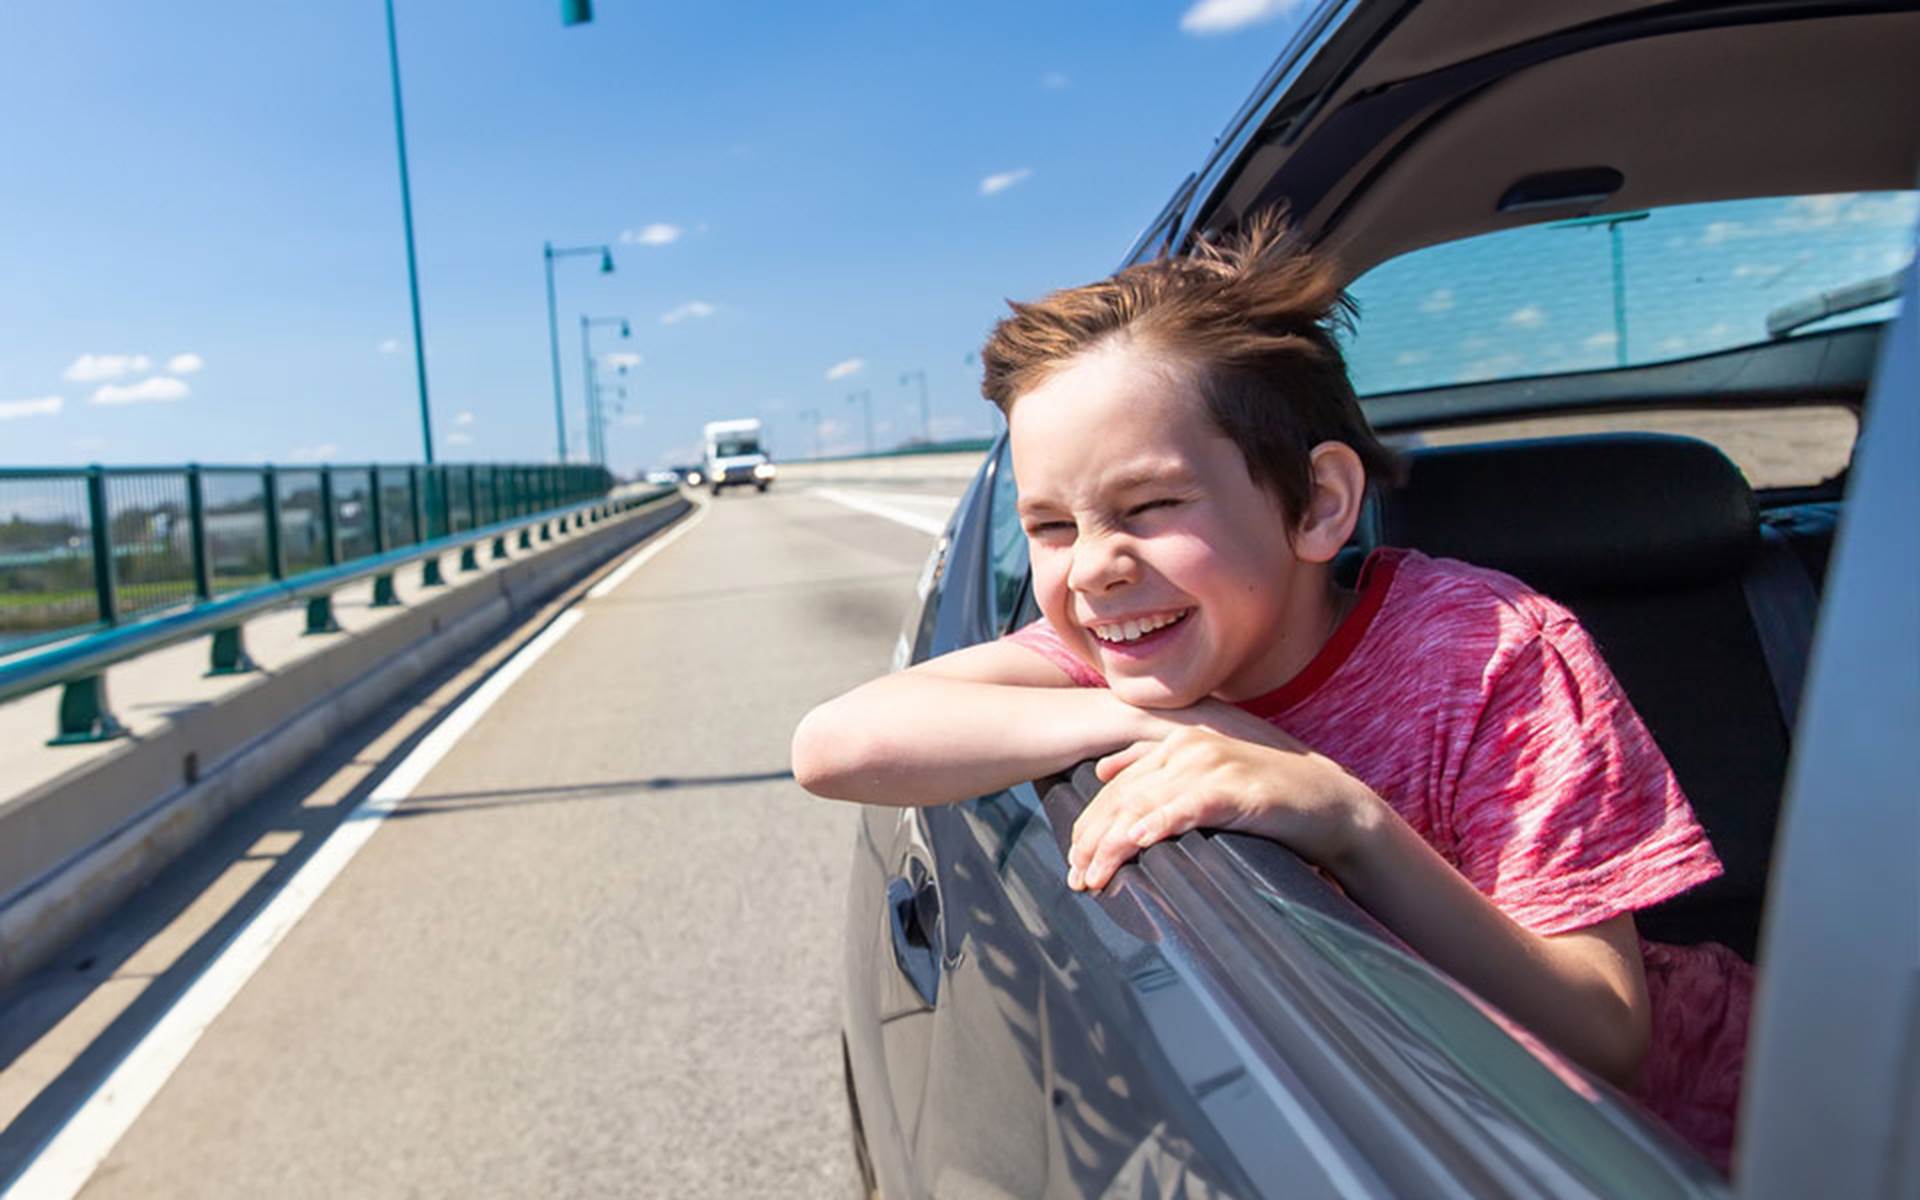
[(1602, 512)]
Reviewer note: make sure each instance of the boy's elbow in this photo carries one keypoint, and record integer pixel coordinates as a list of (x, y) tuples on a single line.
[(826, 754), (1619, 1056)]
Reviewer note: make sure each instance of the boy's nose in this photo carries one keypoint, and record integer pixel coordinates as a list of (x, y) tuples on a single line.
[(1101, 564)]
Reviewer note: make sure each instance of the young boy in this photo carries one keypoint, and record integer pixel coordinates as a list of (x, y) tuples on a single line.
[(1444, 742)]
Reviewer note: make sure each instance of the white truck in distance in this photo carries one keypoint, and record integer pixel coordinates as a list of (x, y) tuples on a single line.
[(734, 455)]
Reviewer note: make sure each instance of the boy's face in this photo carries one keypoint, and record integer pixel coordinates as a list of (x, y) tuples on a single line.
[(1155, 555)]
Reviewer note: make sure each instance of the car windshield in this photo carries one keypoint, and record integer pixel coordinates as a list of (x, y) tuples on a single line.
[(734, 447), (1627, 289)]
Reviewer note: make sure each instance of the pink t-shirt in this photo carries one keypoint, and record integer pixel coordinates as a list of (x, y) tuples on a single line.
[(1483, 713)]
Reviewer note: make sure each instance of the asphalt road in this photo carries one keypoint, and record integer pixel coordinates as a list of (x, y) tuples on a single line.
[(597, 953)]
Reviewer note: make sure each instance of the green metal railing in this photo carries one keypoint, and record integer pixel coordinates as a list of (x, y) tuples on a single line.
[(112, 562)]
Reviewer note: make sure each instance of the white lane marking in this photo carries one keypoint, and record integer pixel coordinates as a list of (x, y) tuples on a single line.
[(880, 508), (72, 1155), (652, 547)]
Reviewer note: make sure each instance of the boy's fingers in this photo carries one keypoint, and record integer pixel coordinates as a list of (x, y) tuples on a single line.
[(1111, 765)]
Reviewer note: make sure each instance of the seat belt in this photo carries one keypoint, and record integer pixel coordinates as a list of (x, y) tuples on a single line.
[(1783, 602)]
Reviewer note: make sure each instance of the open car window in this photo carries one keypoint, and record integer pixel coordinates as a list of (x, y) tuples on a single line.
[(1627, 289)]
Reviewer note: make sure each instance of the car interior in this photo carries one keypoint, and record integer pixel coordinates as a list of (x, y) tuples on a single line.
[(1457, 120)]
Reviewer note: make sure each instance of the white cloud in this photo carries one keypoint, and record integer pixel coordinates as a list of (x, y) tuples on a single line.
[(1438, 301), (657, 234), (1494, 366), (153, 389), (185, 364), (1409, 358), (465, 418), (632, 418), (1004, 180), (623, 358), (458, 438), (1672, 345), (319, 453), (1229, 16), (846, 367), (1717, 232), (38, 406), (98, 368), (1054, 81), (1600, 341), (90, 443), (390, 346), (1530, 317), (692, 308)]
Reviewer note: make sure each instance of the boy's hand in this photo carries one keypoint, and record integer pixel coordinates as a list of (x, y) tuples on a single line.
[(1217, 767)]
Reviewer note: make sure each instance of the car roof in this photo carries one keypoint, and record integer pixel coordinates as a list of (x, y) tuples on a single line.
[(1388, 124)]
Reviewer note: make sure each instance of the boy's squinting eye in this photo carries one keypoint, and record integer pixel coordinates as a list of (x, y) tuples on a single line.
[(1149, 506), (1042, 528)]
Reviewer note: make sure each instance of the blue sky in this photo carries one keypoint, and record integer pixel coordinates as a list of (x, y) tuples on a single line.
[(201, 244), (201, 234)]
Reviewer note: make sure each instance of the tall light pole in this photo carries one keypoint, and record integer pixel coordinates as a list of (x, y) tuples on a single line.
[(406, 218), (926, 422), (596, 431), (1613, 222), (552, 252), (812, 417), (865, 395)]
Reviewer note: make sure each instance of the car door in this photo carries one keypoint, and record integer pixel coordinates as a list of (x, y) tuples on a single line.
[(1006, 1073)]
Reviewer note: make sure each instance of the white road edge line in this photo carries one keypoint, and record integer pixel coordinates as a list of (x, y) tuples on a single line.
[(878, 508), (647, 551), (70, 1157)]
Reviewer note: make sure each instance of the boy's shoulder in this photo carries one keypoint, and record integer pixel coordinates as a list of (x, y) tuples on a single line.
[(1444, 601)]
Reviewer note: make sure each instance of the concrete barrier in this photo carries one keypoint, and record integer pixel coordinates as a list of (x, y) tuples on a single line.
[(75, 847)]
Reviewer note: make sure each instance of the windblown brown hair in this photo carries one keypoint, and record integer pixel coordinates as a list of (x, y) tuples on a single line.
[(1253, 318)]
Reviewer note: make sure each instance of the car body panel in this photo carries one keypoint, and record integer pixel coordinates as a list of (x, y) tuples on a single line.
[(1832, 1105)]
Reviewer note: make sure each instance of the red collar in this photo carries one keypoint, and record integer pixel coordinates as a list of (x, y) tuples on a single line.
[(1376, 577)]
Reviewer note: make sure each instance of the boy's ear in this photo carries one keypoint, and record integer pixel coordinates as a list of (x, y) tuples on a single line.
[(1339, 488)]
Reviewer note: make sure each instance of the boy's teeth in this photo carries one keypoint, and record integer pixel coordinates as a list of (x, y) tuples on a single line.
[(1128, 631)]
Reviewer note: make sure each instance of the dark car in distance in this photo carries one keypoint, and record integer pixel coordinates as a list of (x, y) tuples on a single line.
[(1626, 278)]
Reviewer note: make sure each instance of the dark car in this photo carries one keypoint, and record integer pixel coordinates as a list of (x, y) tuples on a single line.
[(1567, 227)]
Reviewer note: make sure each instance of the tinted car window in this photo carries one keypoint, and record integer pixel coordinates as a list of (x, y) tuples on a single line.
[(1006, 543), (1622, 289)]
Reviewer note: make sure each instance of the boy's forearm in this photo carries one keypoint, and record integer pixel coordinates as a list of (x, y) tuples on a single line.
[(1583, 994), (916, 739)]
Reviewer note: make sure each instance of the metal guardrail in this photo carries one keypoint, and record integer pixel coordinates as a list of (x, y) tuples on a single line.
[(355, 523)]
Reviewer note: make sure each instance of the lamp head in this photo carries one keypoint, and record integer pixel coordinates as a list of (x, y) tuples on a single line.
[(625, 331), (606, 262)]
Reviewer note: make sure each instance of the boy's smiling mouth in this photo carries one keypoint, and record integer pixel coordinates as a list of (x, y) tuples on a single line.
[(1133, 629)]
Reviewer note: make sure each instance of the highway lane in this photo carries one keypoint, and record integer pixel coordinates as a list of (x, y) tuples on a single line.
[(597, 951)]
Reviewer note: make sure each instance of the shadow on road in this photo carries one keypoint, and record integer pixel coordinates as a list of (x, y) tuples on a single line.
[(422, 806)]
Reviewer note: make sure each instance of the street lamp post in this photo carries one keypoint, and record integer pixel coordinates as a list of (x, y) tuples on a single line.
[(406, 217), (926, 422), (865, 396), (812, 417), (596, 429), (1613, 222), (552, 252)]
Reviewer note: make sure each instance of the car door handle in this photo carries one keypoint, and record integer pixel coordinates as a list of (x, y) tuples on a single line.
[(913, 915)]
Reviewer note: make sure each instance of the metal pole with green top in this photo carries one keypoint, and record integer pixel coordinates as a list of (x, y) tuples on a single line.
[(926, 419), (1613, 221), (406, 216), (553, 328), (596, 424)]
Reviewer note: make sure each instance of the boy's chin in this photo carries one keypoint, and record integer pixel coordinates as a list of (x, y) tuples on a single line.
[(1147, 692)]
